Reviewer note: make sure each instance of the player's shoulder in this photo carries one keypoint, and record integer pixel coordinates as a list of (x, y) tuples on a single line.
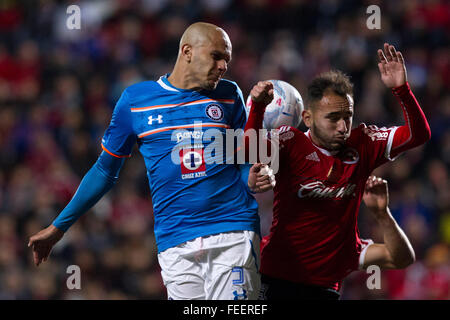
[(371, 131), (227, 84), (142, 87), (227, 87), (286, 133)]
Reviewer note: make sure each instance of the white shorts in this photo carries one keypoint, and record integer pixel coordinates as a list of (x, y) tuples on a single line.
[(223, 266)]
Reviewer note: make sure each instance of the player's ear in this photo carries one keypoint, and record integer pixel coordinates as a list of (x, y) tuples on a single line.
[(307, 117), (186, 52)]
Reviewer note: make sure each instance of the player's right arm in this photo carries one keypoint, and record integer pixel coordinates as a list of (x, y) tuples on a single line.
[(117, 144), (396, 251), (262, 95)]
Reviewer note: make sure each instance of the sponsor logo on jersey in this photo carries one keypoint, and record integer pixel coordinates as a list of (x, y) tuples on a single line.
[(313, 157), (317, 189), (376, 133), (283, 133), (159, 118), (214, 112), (183, 134), (192, 163)]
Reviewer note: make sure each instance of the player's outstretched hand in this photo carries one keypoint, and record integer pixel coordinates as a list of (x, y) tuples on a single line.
[(42, 243), (391, 66), (262, 92), (261, 178), (376, 196)]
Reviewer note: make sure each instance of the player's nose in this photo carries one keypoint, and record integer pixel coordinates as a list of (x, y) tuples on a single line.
[(342, 126), (222, 65)]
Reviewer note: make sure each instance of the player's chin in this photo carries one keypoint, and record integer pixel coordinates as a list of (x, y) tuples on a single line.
[(336, 146), (211, 84)]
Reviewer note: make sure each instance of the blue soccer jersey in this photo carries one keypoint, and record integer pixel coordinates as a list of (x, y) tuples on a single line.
[(193, 194)]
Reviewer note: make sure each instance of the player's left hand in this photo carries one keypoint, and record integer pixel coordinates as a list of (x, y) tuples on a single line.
[(392, 67), (261, 178), (376, 196)]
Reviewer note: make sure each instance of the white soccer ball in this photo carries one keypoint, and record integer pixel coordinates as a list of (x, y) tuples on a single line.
[(285, 109)]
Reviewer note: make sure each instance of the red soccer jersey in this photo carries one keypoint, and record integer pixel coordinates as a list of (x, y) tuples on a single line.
[(314, 237), (317, 195)]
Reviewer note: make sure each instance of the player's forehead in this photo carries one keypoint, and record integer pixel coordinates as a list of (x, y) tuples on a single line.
[(219, 41), (334, 103)]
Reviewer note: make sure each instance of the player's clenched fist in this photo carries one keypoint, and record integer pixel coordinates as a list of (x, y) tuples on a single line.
[(262, 92), (376, 195), (261, 178)]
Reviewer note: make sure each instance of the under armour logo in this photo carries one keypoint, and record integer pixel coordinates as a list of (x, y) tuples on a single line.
[(150, 119), (313, 157), (240, 296)]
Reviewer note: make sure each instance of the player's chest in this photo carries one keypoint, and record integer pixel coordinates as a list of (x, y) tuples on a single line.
[(317, 175), (191, 117)]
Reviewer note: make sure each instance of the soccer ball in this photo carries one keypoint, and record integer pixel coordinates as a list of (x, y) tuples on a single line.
[(285, 109)]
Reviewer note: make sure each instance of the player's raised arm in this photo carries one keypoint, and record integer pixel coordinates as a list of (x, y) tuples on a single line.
[(262, 95), (396, 252), (416, 130)]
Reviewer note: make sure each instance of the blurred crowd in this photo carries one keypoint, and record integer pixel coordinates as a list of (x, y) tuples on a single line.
[(58, 88)]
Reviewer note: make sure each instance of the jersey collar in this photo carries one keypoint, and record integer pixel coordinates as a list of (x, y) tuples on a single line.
[(165, 84)]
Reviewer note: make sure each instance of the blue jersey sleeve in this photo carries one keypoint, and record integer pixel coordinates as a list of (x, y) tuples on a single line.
[(120, 137), (97, 181)]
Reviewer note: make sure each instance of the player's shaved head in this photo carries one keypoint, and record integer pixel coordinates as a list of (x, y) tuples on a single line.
[(201, 33), (203, 57)]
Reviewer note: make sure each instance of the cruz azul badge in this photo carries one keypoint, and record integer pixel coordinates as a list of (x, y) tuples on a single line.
[(214, 112), (192, 163)]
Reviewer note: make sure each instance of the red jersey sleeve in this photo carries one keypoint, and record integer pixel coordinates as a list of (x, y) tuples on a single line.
[(416, 130), (376, 143), (384, 144)]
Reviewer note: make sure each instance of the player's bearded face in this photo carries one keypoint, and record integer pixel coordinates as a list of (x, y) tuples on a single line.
[(332, 121), (210, 63)]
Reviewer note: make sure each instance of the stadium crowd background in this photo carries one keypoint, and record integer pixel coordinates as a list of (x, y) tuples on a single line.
[(58, 88)]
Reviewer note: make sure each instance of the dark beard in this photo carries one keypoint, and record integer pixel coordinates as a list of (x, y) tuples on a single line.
[(319, 136)]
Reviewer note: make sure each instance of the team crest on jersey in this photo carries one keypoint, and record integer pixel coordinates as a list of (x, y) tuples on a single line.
[(214, 112), (192, 163), (350, 156)]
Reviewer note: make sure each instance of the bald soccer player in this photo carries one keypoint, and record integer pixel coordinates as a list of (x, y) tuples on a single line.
[(206, 220)]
